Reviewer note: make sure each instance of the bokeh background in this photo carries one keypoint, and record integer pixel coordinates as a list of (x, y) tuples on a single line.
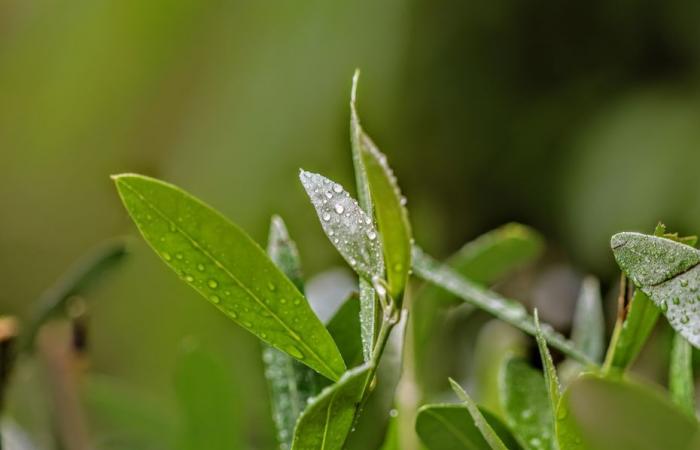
[(577, 118)]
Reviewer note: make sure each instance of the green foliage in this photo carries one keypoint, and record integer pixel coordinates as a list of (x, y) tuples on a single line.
[(680, 375), (487, 431)]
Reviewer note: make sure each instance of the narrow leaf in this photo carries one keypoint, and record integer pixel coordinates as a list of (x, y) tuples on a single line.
[(680, 377), (451, 427), (327, 420), (668, 272), (392, 217), (524, 400), (223, 264), (348, 227), (588, 330), (369, 317), (486, 430), (205, 393), (509, 311), (550, 373), (344, 327), (77, 280), (290, 383), (631, 332), (612, 414)]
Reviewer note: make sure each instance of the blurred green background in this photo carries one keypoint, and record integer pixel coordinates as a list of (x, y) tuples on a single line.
[(578, 118)]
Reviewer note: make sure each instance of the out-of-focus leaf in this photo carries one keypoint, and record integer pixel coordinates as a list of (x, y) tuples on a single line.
[(290, 383), (451, 427), (392, 440), (483, 260), (631, 333), (223, 264), (487, 431), (611, 414), (680, 376), (524, 400), (344, 327), (392, 217), (668, 272), (120, 414), (371, 426), (207, 400), (550, 373), (77, 280), (588, 330), (509, 311), (327, 420)]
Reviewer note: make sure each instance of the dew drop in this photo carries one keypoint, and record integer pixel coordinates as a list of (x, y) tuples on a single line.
[(172, 227), (200, 267), (189, 278), (233, 314), (684, 283), (371, 235), (292, 350), (368, 220), (394, 412), (215, 299), (403, 201), (296, 301), (166, 256), (663, 306), (329, 195), (676, 300), (339, 208), (271, 287), (283, 300), (263, 335), (337, 188), (246, 324), (326, 217), (353, 262), (213, 284), (178, 255), (685, 320)]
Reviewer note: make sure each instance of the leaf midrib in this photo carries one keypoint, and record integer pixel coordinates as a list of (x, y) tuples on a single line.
[(196, 244)]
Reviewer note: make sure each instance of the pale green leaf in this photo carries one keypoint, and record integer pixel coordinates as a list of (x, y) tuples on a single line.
[(223, 264), (327, 420), (588, 329), (509, 311), (524, 400), (489, 434), (681, 383), (550, 373), (668, 272)]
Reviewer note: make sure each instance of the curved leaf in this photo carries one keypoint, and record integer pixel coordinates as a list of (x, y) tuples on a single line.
[(487, 431), (327, 420), (668, 272), (223, 264)]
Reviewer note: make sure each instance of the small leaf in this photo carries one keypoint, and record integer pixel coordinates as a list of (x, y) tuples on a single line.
[(344, 327), (680, 377), (611, 414), (77, 280), (484, 427), (204, 390), (631, 333), (348, 227), (509, 311), (668, 272), (327, 420), (392, 217), (550, 373), (451, 427), (290, 383), (524, 399), (223, 264), (588, 329)]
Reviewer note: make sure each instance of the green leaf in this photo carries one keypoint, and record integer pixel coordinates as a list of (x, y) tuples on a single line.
[(451, 427), (611, 414), (631, 332), (483, 260), (352, 232), (680, 377), (79, 279), (509, 311), (668, 272), (588, 329), (327, 420), (392, 440), (524, 400), (290, 383), (550, 373), (207, 399), (223, 264), (348, 227), (344, 327), (392, 217), (484, 427)]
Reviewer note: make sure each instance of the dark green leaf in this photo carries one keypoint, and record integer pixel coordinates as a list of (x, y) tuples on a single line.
[(611, 414), (207, 399), (680, 377), (392, 217), (290, 383), (451, 427), (223, 264), (507, 310), (77, 280), (668, 272), (489, 434), (524, 400), (327, 420), (344, 327)]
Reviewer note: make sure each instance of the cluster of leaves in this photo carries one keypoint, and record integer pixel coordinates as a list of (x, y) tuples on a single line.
[(328, 379)]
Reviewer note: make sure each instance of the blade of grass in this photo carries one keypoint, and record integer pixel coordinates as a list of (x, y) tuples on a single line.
[(509, 311), (680, 377), (221, 262)]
